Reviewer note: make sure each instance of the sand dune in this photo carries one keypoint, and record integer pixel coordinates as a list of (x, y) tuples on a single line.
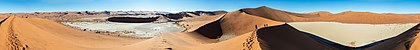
[(322, 16), (366, 17), (270, 13), (362, 34), (321, 13), (42, 34), (235, 30), (231, 25), (194, 39), (288, 37), (344, 17), (3, 17), (237, 23), (416, 44)]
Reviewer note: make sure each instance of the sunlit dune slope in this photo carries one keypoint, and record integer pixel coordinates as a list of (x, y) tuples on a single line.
[(42, 34)]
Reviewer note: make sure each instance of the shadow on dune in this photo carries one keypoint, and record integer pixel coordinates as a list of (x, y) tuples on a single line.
[(174, 16), (232, 24), (3, 20), (212, 30), (131, 19), (285, 37)]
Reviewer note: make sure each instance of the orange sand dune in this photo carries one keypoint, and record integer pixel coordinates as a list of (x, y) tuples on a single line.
[(193, 39), (3, 17), (363, 17), (229, 25), (237, 23), (321, 14), (42, 34), (270, 13), (345, 17), (190, 41), (416, 44), (231, 31)]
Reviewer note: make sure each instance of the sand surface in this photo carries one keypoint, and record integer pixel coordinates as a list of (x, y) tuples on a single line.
[(361, 34), (2, 17), (344, 17), (236, 31), (42, 34), (416, 44)]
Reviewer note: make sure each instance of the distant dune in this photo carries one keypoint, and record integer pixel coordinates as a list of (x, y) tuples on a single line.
[(270, 13)]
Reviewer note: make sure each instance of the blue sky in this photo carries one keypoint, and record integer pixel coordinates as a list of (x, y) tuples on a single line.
[(301, 6)]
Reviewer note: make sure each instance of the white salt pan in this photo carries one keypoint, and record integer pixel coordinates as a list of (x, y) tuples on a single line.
[(140, 29), (352, 35)]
